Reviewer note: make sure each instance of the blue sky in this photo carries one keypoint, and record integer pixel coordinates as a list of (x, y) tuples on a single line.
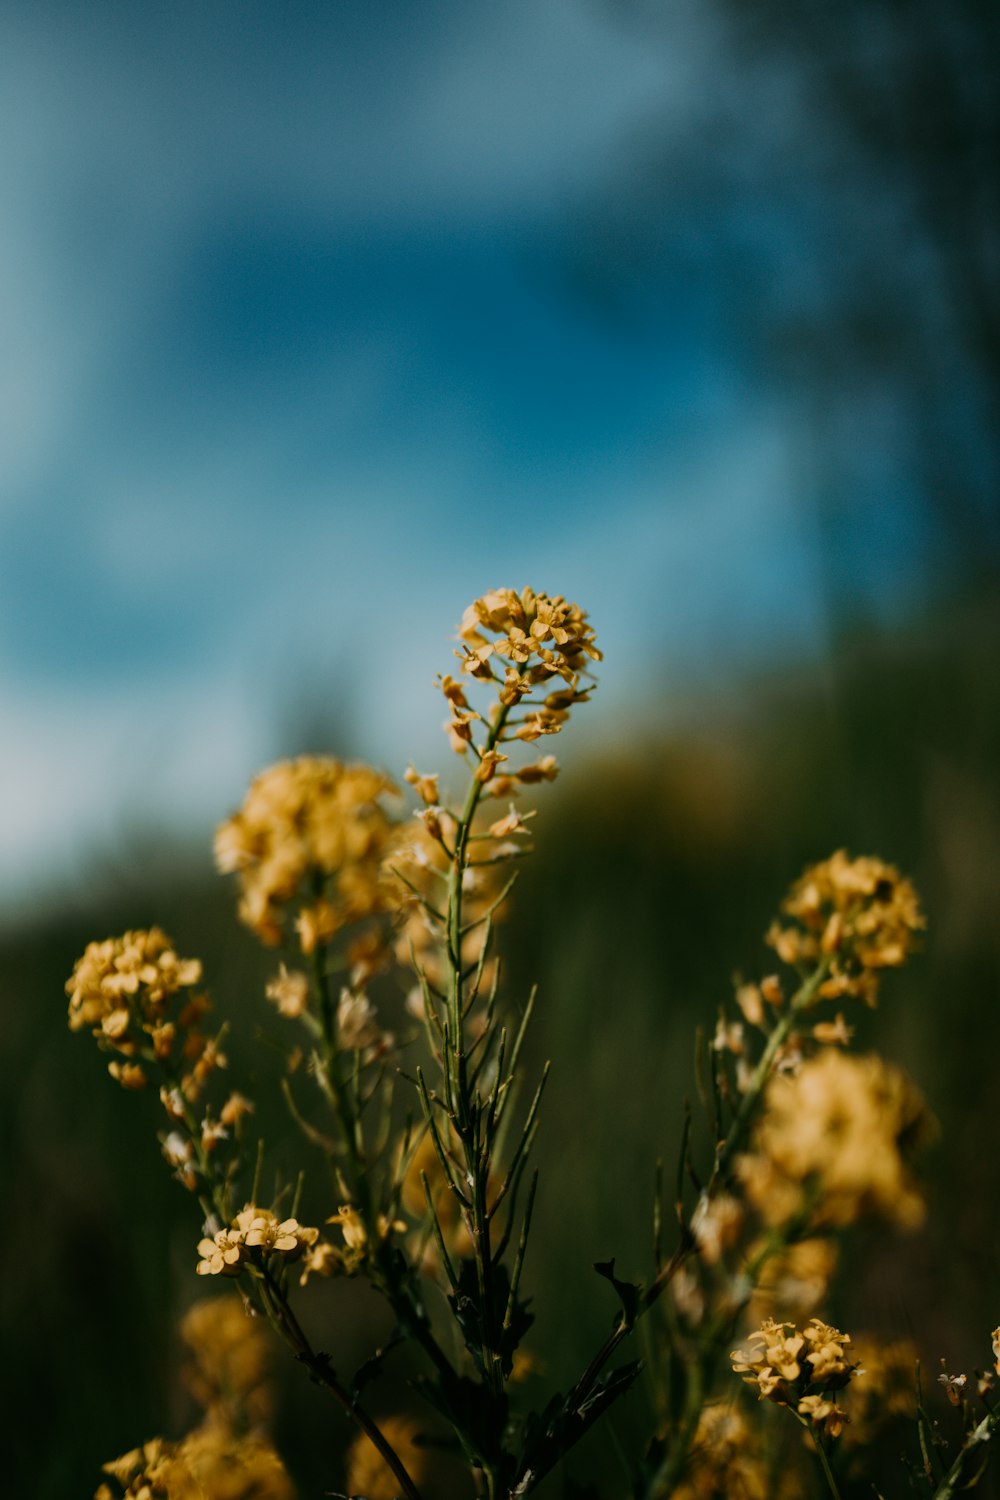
[(295, 363)]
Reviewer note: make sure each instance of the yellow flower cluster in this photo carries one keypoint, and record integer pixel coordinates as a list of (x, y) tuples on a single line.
[(367, 1472), (211, 1463), (860, 915), (254, 1233), (727, 1461), (227, 1374), (833, 1140), (139, 999), (311, 831), (519, 642), (793, 1368)]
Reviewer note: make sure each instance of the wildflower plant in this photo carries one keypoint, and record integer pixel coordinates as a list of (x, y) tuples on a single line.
[(427, 1134)]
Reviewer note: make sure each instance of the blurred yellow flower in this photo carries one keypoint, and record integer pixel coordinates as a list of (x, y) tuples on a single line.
[(124, 987), (859, 915), (839, 1131), (308, 823), (211, 1463), (227, 1372)]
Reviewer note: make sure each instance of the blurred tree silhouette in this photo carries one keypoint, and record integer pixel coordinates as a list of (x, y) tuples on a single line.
[(835, 188)]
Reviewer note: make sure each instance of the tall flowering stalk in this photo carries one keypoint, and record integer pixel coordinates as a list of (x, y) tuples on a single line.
[(806, 1138)]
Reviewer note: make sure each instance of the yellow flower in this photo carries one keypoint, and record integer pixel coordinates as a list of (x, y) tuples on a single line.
[(124, 988), (253, 1231), (211, 1463), (860, 915), (824, 1414), (830, 1367), (520, 642), (546, 769), (840, 1131), (308, 822), (289, 991), (235, 1107), (716, 1224), (322, 1259), (227, 1374), (790, 1367), (222, 1255), (356, 1024), (425, 786), (352, 1227), (129, 1075)]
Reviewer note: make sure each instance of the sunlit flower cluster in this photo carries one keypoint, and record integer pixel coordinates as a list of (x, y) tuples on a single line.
[(833, 1142), (311, 834), (520, 642), (799, 1368), (211, 1463), (139, 999), (367, 1472), (253, 1234), (859, 915)]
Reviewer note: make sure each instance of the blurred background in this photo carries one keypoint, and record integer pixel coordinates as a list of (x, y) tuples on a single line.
[(320, 320)]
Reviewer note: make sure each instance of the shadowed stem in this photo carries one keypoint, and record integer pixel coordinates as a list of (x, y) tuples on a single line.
[(283, 1319), (467, 1122), (820, 1451), (953, 1481)]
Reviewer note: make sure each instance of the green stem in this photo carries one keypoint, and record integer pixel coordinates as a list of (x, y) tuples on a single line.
[(981, 1433), (824, 1462), (349, 1125), (468, 1117), (287, 1325), (800, 1001)]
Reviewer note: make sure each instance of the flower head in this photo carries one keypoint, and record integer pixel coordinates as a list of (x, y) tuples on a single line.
[(836, 1137), (799, 1368), (139, 999), (534, 649), (311, 831), (210, 1461), (859, 915), (128, 985), (253, 1234)]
